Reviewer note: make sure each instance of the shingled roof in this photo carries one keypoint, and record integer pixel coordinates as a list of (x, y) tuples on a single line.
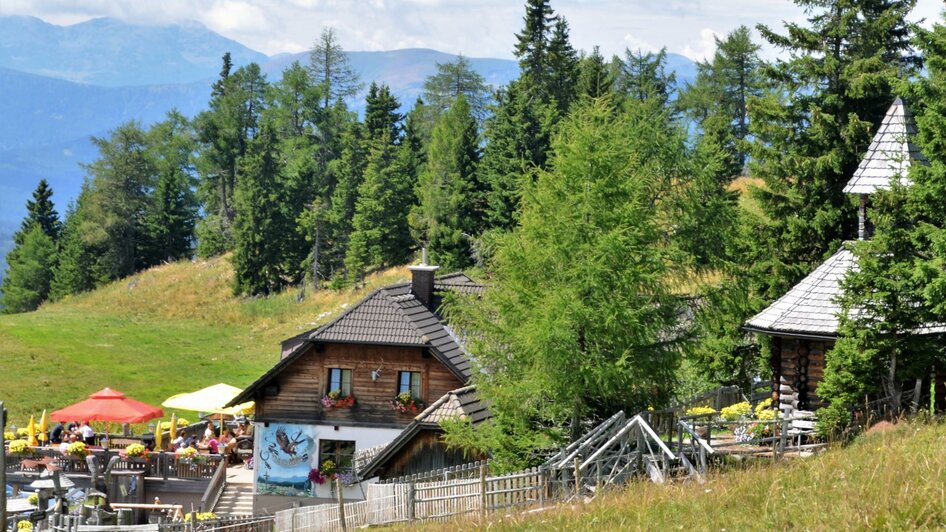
[(809, 309), (462, 403), (391, 315), (890, 154)]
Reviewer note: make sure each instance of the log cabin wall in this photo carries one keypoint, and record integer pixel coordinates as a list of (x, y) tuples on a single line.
[(302, 385), (424, 453), (801, 370)]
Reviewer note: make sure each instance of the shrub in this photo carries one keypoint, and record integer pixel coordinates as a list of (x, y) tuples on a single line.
[(737, 411), (700, 411), (834, 422)]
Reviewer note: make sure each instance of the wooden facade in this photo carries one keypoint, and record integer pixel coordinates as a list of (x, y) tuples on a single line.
[(425, 452), (295, 394), (798, 369)]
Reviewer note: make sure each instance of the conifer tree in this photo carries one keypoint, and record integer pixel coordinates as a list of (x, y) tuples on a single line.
[(41, 211), (29, 271), (380, 235), (171, 211), (453, 79), (330, 69), (348, 170), (830, 92), (563, 67), (120, 184), (450, 210), (75, 270), (645, 76), (261, 220), (381, 116), (594, 78), (577, 321), (532, 47)]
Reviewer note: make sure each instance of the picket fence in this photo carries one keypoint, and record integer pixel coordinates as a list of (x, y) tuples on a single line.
[(408, 501)]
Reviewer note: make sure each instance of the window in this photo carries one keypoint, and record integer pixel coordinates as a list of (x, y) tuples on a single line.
[(339, 379), (340, 452), (409, 381)]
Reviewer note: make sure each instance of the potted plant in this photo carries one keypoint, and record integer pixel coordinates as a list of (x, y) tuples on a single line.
[(77, 450), (189, 456), (334, 399), (20, 448), (405, 403)]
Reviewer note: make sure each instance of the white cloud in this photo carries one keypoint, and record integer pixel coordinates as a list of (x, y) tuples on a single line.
[(474, 27)]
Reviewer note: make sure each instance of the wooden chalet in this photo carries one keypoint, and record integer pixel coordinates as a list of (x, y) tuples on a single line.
[(420, 447), (334, 391), (804, 322)]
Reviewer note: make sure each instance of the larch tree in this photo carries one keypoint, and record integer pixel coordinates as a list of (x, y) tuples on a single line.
[(578, 320), (453, 79)]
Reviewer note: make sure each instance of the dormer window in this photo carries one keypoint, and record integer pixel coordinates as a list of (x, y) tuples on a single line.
[(339, 379)]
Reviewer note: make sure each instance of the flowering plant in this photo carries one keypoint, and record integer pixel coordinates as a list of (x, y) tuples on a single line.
[(33, 499), (328, 468), (189, 455), (334, 399), (135, 450), (202, 516), (24, 525), (178, 422), (9, 435), (404, 403), (700, 411), (737, 411), (317, 477), (77, 449), (20, 447), (346, 477)]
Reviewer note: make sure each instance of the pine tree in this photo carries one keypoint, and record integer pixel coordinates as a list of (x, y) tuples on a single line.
[(578, 320), (41, 211), (349, 171), (532, 47), (453, 79), (594, 79), (75, 270), (330, 69), (810, 130), (261, 220), (171, 212), (120, 183), (29, 271), (381, 116), (380, 236), (563, 67), (451, 209)]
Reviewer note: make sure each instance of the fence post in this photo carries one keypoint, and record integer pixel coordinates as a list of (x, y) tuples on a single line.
[(542, 486), (341, 503), (577, 477), (483, 502), (410, 501), (598, 476)]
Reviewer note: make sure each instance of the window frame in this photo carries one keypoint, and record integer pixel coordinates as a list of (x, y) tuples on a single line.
[(336, 454), (416, 388), (342, 373)]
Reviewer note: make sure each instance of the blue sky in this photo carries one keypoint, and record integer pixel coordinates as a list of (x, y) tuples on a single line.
[(478, 28)]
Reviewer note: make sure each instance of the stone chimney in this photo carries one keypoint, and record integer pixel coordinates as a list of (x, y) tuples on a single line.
[(422, 281)]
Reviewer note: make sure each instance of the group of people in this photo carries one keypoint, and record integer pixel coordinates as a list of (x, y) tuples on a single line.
[(225, 444), (71, 432)]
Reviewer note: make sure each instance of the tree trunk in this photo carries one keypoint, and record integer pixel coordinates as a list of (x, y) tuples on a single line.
[(893, 385)]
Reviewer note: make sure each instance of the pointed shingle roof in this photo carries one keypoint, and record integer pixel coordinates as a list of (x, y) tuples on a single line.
[(890, 154), (809, 309)]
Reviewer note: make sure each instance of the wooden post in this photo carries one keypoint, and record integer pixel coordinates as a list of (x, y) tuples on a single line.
[(3, 470), (483, 500), (542, 486), (410, 501), (341, 503), (577, 477), (597, 477)]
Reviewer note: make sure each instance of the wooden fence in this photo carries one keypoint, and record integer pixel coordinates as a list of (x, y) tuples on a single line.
[(70, 523), (164, 465)]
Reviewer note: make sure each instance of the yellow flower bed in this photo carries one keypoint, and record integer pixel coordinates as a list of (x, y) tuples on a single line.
[(135, 450), (24, 525), (202, 516), (737, 411), (700, 410), (19, 447)]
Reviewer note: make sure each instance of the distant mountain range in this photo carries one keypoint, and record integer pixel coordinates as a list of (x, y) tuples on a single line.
[(61, 85)]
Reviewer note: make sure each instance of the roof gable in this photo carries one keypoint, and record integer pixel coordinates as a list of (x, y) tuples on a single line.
[(890, 154)]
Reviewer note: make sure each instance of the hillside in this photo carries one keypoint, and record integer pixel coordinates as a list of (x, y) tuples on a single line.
[(170, 329), (884, 481)]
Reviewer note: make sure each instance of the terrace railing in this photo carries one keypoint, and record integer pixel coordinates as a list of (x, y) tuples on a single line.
[(164, 465)]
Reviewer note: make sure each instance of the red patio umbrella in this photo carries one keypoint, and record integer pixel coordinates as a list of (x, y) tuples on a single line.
[(108, 405)]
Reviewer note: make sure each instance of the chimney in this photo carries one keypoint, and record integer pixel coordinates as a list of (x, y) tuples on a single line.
[(422, 281)]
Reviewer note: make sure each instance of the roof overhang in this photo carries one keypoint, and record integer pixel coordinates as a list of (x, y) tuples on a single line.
[(790, 334)]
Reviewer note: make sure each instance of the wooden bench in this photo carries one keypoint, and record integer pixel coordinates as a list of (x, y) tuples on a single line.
[(803, 424)]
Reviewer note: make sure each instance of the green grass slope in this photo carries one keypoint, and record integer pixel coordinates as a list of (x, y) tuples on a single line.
[(167, 330), (892, 480)]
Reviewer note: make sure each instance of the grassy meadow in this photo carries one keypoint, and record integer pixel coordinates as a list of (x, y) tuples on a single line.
[(167, 330), (889, 480)]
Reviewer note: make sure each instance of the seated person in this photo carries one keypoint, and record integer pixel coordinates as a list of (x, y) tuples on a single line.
[(178, 442), (229, 442), (64, 445), (209, 444), (87, 433)]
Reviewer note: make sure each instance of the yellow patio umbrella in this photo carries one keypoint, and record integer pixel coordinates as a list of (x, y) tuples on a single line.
[(32, 433), (172, 435), (212, 399), (43, 423), (158, 440)]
